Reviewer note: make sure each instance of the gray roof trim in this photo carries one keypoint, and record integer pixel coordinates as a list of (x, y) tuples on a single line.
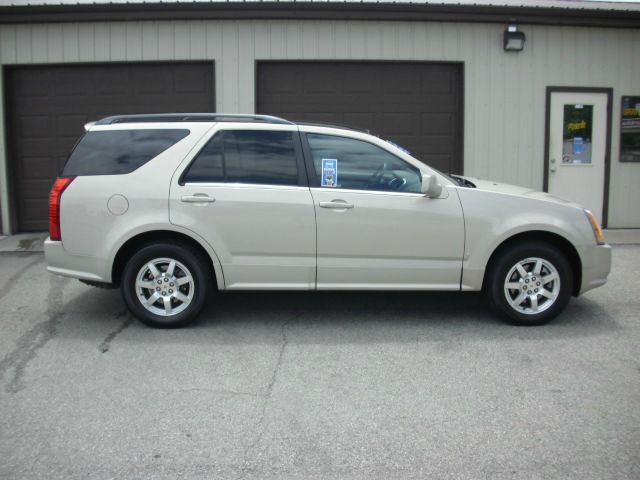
[(320, 11)]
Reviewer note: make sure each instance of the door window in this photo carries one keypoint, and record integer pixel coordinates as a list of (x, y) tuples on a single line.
[(576, 138), (246, 156), (347, 163)]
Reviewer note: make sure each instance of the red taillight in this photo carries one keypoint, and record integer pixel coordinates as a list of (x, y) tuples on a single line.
[(54, 206)]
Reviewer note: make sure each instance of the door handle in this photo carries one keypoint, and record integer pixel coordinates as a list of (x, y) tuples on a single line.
[(197, 198), (336, 205)]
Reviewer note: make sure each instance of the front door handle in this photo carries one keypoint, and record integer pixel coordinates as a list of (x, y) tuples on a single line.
[(198, 198), (336, 205)]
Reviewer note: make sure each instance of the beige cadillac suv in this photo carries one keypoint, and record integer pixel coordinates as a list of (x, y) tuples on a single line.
[(170, 207)]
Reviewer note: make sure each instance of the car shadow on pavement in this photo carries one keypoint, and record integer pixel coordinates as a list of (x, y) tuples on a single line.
[(333, 317)]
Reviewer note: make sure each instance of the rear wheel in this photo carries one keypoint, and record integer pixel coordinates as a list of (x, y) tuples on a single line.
[(530, 284), (166, 286)]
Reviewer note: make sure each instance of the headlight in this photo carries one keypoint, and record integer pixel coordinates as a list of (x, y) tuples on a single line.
[(595, 226)]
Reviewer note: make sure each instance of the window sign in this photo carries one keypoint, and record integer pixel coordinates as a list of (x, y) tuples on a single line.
[(630, 130), (329, 172), (576, 135)]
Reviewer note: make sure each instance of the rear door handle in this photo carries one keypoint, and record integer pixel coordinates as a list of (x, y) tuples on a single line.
[(336, 205), (198, 198)]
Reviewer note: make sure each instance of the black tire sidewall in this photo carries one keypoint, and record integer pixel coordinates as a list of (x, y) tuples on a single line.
[(507, 260), (191, 259)]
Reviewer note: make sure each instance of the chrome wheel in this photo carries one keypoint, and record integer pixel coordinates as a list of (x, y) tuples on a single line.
[(532, 286), (164, 286)]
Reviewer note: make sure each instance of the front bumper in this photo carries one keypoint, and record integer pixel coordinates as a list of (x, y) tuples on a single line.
[(596, 265), (60, 262)]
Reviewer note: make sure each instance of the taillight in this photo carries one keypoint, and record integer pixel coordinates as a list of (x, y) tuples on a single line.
[(54, 206)]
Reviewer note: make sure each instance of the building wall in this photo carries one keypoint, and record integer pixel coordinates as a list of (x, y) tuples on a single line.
[(504, 104)]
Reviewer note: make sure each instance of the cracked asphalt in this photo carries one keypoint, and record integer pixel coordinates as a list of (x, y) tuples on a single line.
[(316, 386)]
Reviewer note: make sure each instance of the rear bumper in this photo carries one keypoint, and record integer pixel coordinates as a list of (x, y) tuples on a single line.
[(596, 265), (60, 262)]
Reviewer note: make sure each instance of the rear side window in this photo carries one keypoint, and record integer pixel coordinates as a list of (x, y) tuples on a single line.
[(246, 156), (115, 152)]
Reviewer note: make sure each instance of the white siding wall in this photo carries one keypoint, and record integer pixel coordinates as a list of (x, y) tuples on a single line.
[(504, 92)]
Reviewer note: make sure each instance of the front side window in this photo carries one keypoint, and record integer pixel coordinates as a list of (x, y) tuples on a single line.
[(246, 156), (341, 162), (116, 152)]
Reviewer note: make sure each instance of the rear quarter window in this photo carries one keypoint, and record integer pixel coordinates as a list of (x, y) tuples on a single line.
[(116, 152)]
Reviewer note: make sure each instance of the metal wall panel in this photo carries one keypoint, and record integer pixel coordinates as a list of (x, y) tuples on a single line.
[(504, 92)]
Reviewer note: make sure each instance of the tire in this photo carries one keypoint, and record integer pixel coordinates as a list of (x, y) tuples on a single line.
[(180, 295), (526, 271)]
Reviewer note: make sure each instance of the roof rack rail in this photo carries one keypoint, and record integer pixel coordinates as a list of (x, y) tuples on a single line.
[(192, 117), (335, 125)]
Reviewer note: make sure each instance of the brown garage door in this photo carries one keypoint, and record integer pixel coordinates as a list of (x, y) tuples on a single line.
[(416, 105), (48, 107)]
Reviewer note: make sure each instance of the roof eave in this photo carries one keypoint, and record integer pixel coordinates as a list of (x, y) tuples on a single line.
[(319, 11)]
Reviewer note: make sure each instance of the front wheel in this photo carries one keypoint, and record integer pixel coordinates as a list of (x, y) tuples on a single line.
[(166, 286), (530, 283)]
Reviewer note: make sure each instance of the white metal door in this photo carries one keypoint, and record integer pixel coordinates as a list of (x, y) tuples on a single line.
[(577, 148)]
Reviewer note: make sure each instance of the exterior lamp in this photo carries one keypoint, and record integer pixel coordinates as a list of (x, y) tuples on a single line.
[(513, 39)]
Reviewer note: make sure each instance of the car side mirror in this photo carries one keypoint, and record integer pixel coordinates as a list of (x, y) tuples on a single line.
[(430, 186)]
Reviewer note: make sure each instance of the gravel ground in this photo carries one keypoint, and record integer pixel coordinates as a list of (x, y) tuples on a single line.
[(330, 385)]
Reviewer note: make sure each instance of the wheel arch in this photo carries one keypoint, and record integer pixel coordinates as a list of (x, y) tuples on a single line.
[(131, 245), (557, 241)]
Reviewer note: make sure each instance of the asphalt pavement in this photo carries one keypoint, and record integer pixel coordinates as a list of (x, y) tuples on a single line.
[(316, 386)]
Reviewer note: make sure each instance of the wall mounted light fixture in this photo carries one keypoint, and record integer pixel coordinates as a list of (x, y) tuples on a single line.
[(513, 39)]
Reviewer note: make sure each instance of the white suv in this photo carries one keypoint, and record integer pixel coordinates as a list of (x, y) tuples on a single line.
[(169, 207)]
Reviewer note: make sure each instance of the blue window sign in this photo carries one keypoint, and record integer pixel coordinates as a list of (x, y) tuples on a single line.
[(329, 172), (577, 145)]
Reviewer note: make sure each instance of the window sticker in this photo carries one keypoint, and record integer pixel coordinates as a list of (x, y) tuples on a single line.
[(329, 172), (577, 145)]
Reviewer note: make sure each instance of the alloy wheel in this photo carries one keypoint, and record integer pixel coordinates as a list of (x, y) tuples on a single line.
[(164, 286), (532, 286)]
